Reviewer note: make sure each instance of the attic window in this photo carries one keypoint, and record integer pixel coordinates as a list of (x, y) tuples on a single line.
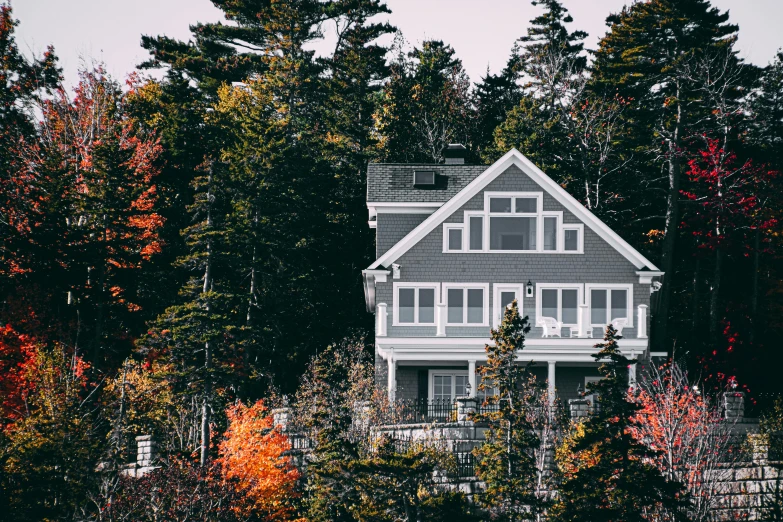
[(424, 178)]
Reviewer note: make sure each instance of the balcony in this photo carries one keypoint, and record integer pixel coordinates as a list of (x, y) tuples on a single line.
[(544, 327)]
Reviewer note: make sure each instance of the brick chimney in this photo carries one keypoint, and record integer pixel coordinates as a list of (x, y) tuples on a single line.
[(454, 154)]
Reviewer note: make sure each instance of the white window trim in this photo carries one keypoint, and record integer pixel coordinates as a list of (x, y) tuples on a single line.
[(466, 286), (608, 286), (396, 308), (559, 286), (580, 241), (466, 218), (453, 226), (453, 373), (497, 313), (540, 214)]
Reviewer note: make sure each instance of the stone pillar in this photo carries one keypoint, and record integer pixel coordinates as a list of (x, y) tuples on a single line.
[(466, 406), (641, 321), (632, 373), (392, 376), (551, 383), (472, 378), (579, 408), (281, 418), (733, 405), (146, 451), (381, 320), (361, 415)]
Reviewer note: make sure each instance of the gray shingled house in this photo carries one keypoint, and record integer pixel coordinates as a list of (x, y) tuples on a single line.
[(456, 243)]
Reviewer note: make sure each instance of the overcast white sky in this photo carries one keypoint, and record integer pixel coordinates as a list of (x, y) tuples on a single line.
[(481, 31)]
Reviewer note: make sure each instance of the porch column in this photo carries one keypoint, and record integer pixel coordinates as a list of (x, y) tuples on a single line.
[(583, 320), (641, 322), (472, 378), (632, 372), (381, 320), (392, 382), (551, 383), (440, 319)]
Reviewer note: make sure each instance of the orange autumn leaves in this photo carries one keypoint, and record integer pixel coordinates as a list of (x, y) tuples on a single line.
[(253, 457)]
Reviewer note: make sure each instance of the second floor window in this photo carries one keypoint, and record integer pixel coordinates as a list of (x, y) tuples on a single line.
[(415, 305), (560, 302), (466, 305), (609, 303)]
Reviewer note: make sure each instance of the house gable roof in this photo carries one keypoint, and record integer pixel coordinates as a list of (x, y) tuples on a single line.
[(513, 157)]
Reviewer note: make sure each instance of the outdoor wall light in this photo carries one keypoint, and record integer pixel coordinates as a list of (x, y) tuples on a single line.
[(529, 288)]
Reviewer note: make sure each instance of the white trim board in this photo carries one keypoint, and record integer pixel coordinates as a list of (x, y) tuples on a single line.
[(514, 157)]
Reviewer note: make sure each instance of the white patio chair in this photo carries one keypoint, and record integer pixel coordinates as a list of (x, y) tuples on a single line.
[(551, 326), (575, 332), (618, 324)]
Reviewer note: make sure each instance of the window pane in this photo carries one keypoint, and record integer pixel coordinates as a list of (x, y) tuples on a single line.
[(476, 233), (598, 307), (460, 385), (455, 239), (426, 305), (550, 233), (500, 204), (619, 304), (454, 304), (475, 305), (442, 387), (512, 233), (549, 303), (571, 240), (569, 298), (526, 205), (506, 298), (406, 305)]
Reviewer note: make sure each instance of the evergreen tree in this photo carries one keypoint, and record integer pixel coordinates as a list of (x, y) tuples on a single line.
[(425, 105), (338, 380), (650, 55), (506, 462), (606, 474), (767, 129), (494, 98), (397, 482), (551, 54)]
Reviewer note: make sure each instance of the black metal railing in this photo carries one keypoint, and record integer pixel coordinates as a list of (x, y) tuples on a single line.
[(465, 460), (414, 411)]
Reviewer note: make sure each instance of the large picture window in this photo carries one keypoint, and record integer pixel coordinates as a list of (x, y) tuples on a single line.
[(513, 222), (414, 303)]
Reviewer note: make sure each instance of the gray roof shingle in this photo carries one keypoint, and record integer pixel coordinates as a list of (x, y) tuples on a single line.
[(393, 182)]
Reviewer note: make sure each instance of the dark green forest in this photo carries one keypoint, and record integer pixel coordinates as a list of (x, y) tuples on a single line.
[(171, 246)]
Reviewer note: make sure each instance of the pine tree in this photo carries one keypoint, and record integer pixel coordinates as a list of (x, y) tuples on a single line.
[(425, 105), (767, 129), (506, 463), (551, 54), (606, 474), (338, 379), (494, 97), (650, 55)]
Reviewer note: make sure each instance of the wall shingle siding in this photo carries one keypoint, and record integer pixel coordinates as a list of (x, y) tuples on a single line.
[(393, 227)]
